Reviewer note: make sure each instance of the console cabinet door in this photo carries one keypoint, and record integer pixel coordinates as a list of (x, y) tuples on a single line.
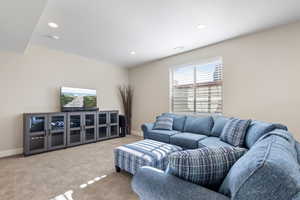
[(102, 132), (57, 131), (90, 127), (75, 127), (114, 118), (35, 134), (113, 124), (114, 131)]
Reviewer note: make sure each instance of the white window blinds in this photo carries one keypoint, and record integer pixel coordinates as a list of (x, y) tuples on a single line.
[(197, 88)]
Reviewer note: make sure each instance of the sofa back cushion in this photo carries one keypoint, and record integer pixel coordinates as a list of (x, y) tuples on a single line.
[(234, 132), (178, 121), (258, 129), (219, 123), (199, 124), (269, 170), (206, 166)]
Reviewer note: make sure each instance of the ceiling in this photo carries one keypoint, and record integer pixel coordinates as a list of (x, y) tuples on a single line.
[(108, 30), (17, 22)]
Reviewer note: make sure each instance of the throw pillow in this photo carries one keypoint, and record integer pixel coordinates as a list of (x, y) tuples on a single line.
[(163, 123), (234, 132), (219, 123), (178, 120), (205, 166)]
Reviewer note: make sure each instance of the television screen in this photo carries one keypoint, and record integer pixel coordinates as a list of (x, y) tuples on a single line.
[(78, 98)]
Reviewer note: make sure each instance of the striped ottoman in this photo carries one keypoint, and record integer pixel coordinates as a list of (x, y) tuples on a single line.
[(131, 157)]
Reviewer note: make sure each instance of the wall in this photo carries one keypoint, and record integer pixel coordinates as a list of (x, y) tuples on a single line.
[(261, 78), (31, 82)]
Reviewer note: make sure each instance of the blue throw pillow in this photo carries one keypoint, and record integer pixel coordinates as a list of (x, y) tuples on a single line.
[(178, 120), (219, 123), (205, 166), (163, 123), (234, 132)]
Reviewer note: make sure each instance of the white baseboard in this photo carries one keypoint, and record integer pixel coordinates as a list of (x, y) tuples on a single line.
[(11, 152), (138, 133)]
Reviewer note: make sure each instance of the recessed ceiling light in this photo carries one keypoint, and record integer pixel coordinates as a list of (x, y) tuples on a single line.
[(53, 25), (179, 48), (54, 37), (132, 52), (201, 26)]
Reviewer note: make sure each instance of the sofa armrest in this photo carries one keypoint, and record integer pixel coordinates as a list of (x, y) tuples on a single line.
[(153, 184), (146, 128)]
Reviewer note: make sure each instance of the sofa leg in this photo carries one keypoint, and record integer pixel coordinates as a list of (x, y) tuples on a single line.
[(118, 169)]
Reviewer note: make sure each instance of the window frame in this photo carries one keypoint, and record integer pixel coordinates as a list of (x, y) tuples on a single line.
[(193, 63)]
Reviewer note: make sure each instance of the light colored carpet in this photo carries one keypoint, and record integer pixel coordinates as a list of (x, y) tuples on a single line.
[(80, 173)]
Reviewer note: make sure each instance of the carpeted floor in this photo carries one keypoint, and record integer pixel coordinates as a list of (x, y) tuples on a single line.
[(80, 173)]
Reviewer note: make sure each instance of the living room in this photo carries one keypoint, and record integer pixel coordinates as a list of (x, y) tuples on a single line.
[(149, 100)]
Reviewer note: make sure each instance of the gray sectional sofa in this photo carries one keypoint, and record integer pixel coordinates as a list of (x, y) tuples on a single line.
[(191, 132), (269, 170)]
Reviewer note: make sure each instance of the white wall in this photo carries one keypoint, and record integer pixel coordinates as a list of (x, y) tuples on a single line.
[(31, 82), (261, 78)]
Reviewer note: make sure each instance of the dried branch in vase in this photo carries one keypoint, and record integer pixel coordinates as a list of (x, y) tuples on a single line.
[(126, 93)]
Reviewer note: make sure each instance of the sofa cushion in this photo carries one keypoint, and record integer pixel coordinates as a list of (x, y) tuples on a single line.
[(205, 166), (187, 140), (199, 125), (178, 121), (269, 170), (212, 142), (163, 123), (160, 135), (258, 129), (234, 131), (219, 123)]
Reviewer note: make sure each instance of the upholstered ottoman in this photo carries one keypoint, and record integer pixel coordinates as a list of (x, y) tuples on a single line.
[(131, 157)]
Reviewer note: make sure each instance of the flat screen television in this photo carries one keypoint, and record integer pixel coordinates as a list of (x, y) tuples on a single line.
[(77, 99)]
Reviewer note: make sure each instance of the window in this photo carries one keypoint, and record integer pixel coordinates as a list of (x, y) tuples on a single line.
[(197, 88)]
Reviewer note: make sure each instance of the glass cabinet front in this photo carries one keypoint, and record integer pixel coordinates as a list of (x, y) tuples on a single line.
[(57, 131), (90, 120), (75, 121), (57, 139), (114, 118), (102, 117), (102, 132), (57, 122), (37, 124), (114, 130), (75, 136), (50, 131), (75, 126), (90, 134), (37, 143)]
